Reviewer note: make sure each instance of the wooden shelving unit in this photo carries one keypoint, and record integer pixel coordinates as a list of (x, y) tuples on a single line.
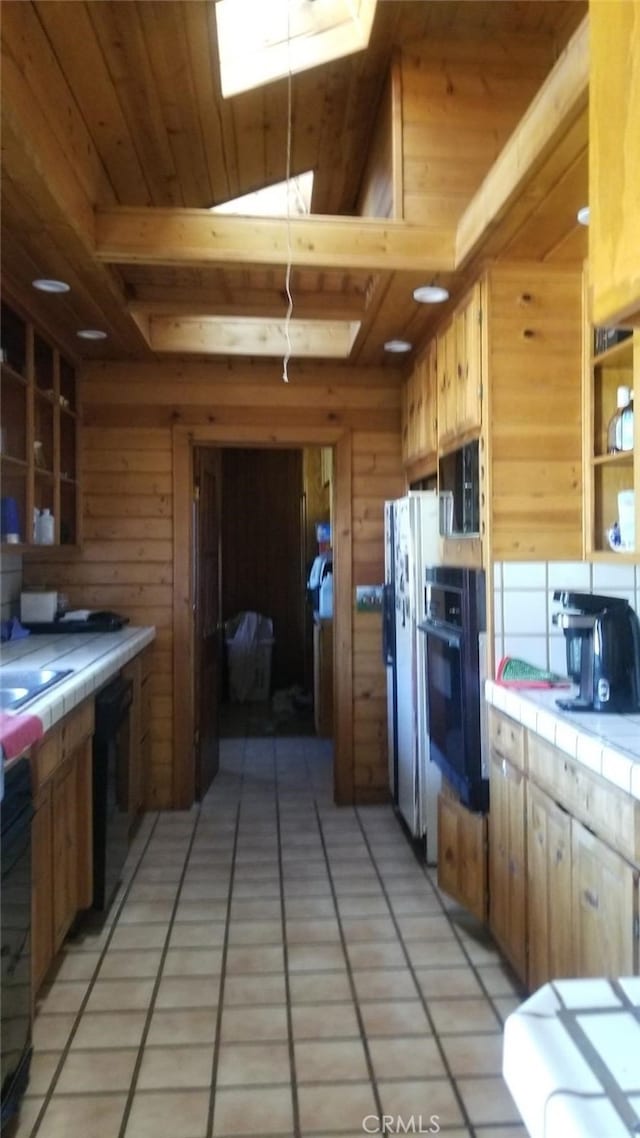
[(605, 475), (39, 432)]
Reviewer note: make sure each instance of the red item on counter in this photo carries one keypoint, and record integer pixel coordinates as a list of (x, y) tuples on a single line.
[(18, 732)]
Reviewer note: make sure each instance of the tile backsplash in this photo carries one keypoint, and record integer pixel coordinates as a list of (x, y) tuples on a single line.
[(10, 585), (523, 604)]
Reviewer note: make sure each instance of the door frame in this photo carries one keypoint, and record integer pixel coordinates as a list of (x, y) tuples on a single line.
[(184, 439)]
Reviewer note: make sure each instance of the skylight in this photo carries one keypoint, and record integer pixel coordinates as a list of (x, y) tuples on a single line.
[(271, 201), (260, 41)]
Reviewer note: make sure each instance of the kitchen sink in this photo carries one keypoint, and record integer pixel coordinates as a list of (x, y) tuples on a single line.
[(19, 685)]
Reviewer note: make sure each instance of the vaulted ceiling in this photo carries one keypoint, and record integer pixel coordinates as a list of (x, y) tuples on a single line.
[(117, 141)]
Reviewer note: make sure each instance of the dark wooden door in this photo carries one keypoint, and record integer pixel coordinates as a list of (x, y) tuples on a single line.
[(206, 615)]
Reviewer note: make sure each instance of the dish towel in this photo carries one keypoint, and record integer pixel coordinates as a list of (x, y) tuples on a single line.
[(17, 732), (514, 673)]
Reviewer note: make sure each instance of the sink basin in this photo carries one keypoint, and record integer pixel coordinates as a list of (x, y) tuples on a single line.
[(19, 685)]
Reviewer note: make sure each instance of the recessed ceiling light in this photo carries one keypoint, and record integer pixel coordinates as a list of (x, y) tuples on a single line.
[(398, 346), (91, 334), (45, 285), (430, 294), (583, 215)]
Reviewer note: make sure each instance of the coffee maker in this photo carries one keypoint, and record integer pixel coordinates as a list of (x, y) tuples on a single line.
[(603, 652)]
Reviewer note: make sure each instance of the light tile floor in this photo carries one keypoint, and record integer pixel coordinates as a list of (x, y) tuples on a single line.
[(274, 965)]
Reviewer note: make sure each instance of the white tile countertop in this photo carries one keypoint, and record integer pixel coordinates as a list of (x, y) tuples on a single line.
[(607, 744), (93, 657), (571, 1059)]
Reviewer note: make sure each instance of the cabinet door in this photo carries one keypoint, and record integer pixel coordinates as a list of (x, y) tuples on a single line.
[(42, 888), (462, 855), (468, 377), (446, 356), (614, 160), (507, 864), (604, 908), (431, 398), (550, 952)]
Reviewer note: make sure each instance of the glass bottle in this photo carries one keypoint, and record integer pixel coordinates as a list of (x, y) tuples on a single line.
[(614, 430)]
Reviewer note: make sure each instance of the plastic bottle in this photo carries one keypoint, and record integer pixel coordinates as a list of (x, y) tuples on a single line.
[(45, 528), (614, 430), (326, 596), (627, 425)]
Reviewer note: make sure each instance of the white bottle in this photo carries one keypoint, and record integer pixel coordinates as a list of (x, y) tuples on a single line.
[(45, 528), (326, 596)]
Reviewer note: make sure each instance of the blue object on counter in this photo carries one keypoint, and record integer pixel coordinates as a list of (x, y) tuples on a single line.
[(12, 630)]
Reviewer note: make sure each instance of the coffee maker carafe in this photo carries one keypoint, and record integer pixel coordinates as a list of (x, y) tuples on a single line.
[(603, 652)]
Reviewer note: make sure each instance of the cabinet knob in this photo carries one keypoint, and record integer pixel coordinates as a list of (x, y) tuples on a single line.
[(528, 333)]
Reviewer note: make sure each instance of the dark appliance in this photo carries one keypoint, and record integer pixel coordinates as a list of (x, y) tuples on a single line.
[(111, 742), (456, 618), (460, 474), (15, 1029), (91, 622), (603, 652)]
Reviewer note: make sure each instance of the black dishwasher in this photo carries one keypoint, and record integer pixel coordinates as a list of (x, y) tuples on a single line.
[(111, 743), (15, 1030)]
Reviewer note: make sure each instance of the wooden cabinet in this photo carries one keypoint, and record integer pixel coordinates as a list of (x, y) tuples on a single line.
[(563, 898), (614, 161), (62, 846), (507, 851), (548, 889), (138, 671), (604, 909), (446, 369), (39, 431), (419, 409), (462, 854), (323, 676), (468, 364), (606, 475)]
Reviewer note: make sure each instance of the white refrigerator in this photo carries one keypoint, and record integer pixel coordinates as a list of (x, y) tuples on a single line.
[(412, 543)]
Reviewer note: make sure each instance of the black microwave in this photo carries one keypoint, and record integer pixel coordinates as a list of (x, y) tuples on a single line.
[(459, 474)]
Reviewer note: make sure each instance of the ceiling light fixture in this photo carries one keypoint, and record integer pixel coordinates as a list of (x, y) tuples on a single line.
[(44, 284), (583, 215), (430, 294), (91, 334), (397, 346)]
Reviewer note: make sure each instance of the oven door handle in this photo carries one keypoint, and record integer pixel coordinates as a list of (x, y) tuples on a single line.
[(452, 638)]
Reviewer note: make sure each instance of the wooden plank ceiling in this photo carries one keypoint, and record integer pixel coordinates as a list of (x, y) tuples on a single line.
[(108, 105)]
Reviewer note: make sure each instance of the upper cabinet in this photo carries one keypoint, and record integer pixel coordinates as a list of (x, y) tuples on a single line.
[(39, 437), (614, 162)]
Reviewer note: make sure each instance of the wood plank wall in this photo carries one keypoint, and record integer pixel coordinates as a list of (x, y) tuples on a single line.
[(129, 410), (460, 102)]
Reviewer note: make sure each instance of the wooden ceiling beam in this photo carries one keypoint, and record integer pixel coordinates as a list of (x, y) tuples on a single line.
[(324, 306), (198, 237), (560, 101)]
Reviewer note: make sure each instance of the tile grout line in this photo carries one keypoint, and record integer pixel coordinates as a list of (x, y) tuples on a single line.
[(156, 985), (356, 1003), (292, 1058), (421, 997), (215, 1059), (81, 1010)]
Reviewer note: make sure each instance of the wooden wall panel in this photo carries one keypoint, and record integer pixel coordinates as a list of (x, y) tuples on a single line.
[(533, 419), (460, 103), (126, 564), (129, 503)]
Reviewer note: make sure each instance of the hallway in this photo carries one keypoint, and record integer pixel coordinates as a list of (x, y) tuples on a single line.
[(273, 965)]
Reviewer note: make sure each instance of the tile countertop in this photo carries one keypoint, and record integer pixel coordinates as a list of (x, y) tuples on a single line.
[(571, 1059), (94, 658), (607, 744)]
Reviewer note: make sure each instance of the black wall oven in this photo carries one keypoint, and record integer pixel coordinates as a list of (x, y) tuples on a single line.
[(455, 621)]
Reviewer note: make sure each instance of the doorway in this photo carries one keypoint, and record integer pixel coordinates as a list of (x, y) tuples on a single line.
[(186, 440)]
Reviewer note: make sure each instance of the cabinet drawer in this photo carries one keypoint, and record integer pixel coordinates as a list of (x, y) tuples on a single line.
[(77, 727), (607, 811), (507, 738), (46, 757)]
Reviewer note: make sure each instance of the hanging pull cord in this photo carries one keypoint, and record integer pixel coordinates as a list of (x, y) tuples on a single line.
[(287, 279)]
